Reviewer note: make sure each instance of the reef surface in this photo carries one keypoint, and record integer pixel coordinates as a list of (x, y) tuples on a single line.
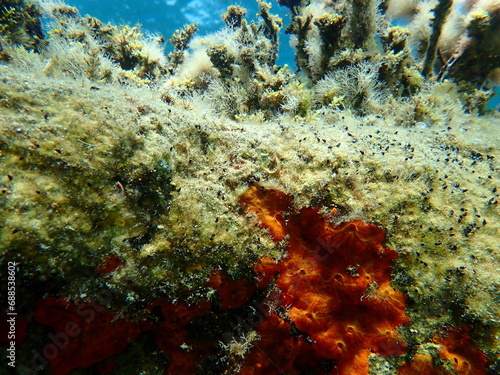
[(124, 172)]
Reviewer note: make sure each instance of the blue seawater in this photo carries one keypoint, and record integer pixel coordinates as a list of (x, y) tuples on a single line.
[(165, 16)]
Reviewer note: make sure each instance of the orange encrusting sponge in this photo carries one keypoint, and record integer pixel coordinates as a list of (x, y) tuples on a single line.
[(335, 286), (457, 349)]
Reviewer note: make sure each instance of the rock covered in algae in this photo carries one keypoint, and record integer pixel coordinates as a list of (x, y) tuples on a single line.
[(148, 175)]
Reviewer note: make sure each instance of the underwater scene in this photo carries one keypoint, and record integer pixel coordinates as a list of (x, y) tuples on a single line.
[(292, 187)]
